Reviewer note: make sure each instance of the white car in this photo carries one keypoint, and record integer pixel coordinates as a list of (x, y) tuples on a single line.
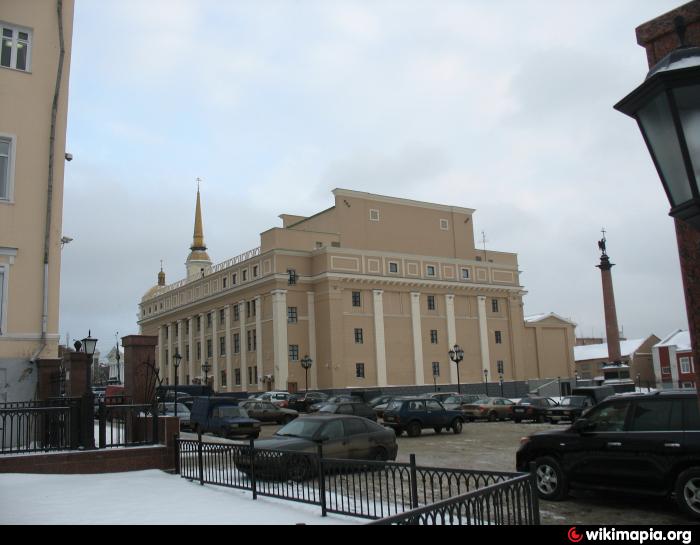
[(281, 399)]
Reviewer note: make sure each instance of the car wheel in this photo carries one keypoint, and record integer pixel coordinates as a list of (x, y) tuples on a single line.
[(539, 419), (457, 426), (414, 429), (552, 483), (688, 492), (438, 429), (492, 416)]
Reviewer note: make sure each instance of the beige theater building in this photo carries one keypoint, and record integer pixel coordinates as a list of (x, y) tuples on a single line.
[(32, 151), (375, 290)]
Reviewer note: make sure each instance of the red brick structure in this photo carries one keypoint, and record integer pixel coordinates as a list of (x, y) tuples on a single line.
[(659, 38), (139, 366), (612, 331)]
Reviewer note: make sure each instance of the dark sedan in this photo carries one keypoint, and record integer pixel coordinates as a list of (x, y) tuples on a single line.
[(303, 402), (533, 408), (349, 407), (340, 437), (570, 408), (335, 399), (268, 412)]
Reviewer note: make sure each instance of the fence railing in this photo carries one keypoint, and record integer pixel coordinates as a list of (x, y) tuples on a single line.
[(70, 423), (396, 493)]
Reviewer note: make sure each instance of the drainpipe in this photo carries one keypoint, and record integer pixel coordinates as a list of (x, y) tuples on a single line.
[(49, 193)]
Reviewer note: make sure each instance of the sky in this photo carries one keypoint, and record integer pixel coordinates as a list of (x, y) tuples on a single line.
[(505, 107)]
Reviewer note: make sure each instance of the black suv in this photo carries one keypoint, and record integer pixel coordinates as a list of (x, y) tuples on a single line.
[(641, 444)]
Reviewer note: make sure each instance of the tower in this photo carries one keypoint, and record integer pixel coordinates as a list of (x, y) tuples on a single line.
[(198, 262), (611, 330)]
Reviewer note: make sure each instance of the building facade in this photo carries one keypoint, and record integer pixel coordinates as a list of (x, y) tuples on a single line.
[(674, 365), (375, 290), (35, 52), (637, 353)]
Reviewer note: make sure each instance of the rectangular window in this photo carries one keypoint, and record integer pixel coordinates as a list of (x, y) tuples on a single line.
[(5, 170), (465, 274), (294, 352), (199, 350), (374, 215), (431, 302), (223, 378), (199, 324), (360, 370), (252, 340), (210, 349), (222, 316), (236, 313), (356, 300), (223, 282), (499, 340), (208, 320), (234, 279), (358, 336), (393, 267), (245, 275), (292, 277), (247, 309), (250, 375), (430, 270), (436, 368), (292, 315), (433, 336), (237, 375), (444, 225), (494, 305), (236, 343), (222, 346), (685, 365), (255, 271), (16, 47)]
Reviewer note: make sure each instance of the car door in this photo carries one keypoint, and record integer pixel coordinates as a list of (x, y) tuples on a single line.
[(335, 443), (359, 444), (597, 459), (435, 415)]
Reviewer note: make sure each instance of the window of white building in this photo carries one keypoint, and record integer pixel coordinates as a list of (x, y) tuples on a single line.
[(7, 145)]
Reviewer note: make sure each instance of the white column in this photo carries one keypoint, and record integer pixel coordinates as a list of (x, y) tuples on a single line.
[(215, 349), (162, 368), (451, 333), (379, 337), (168, 363), (190, 340), (279, 332), (203, 343), (311, 304), (418, 364), (181, 349), (229, 349), (259, 337), (484, 336), (243, 347)]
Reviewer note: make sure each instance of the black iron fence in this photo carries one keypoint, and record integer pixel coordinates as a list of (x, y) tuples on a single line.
[(68, 423), (401, 493)]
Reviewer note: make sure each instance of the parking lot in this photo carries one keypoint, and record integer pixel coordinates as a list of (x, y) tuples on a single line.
[(492, 446)]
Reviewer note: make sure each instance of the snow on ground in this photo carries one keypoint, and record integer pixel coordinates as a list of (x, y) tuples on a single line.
[(142, 497)]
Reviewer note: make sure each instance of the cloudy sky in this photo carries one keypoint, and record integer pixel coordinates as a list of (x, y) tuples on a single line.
[(505, 107)]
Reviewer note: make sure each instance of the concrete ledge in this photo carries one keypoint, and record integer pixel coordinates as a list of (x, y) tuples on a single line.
[(95, 461)]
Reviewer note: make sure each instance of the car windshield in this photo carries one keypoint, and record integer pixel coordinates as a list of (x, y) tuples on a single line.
[(572, 401), (453, 399), (170, 408), (232, 412), (482, 401), (394, 405), (305, 429)]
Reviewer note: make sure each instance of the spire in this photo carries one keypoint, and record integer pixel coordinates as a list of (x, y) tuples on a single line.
[(198, 238), (161, 275), (198, 262)]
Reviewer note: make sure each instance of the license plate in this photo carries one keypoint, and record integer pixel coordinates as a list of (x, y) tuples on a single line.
[(519, 410), (388, 418)]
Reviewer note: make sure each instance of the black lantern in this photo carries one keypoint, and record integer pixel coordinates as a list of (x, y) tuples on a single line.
[(88, 435), (457, 355), (206, 367), (667, 108), (486, 382), (177, 358), (306, 363)]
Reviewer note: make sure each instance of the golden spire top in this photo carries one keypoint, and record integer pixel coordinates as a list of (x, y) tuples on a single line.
[(198, 238), (161, 275)]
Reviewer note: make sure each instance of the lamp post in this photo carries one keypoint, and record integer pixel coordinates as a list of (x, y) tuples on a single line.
[(486, 382), (306, 363), (667, 111), (559, 381), (89, 344), (206, 367), (177, 358), (436, 374), (639, 382), (456, 355)]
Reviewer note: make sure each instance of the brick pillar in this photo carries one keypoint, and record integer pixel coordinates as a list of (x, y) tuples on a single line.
[(659, 38), (139, 366), (77, 381), (611, 329), (47, 381)]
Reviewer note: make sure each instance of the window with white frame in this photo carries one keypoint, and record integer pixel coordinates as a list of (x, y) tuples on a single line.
[(430, 270), (16, 47), (465, 274), (374, 214), (6, 149), (444, 224), (685, 365), (393, 267)]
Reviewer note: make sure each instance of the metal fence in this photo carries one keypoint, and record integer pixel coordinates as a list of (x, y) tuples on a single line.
[(375, 490), (126, 425)]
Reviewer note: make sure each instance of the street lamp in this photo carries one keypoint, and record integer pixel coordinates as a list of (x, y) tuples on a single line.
[(306, 363), (486, 382), (456, 355), (667, 109), (639, 382), (177, 358), (436, 374), (89, 344), (206, 367)]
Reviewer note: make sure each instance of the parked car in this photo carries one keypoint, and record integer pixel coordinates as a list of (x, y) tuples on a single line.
[(281, 399), (490, 408), (349, 407), (532, 408), (183, 413), (596, 393), (455, 402), (268, 412), (442, 396), (302, 402), (416, 414), (340, 436), (379, 404), (569, 409), (222, 416), (335, 399), (637, 444)]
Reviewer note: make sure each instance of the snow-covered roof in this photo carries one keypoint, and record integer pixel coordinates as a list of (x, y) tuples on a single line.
[(679, 338), (600, 351), (539, 317)]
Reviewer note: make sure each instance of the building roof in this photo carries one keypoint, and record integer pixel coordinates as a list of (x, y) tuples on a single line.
[(540, 317), (600, 351), (679, 338)]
